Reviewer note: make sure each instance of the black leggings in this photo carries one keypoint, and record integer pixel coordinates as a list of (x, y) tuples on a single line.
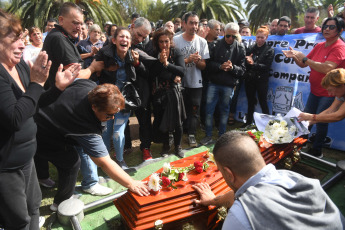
[(260, 87)]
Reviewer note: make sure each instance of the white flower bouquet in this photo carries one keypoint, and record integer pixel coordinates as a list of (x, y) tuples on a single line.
[(278, 129)]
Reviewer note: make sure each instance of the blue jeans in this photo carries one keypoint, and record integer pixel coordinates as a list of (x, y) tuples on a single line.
[(116, 132), (88, 169), (92, 145), (316, 105), (216, 93)]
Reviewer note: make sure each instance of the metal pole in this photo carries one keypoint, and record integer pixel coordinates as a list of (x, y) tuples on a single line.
[(319, 160), (103, 201), (333, 180), (75, 223)]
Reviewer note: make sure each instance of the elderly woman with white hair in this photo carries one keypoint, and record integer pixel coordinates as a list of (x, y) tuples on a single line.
[(90, 46)]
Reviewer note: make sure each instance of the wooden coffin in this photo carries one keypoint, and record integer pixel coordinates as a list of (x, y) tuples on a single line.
[(174, 207)]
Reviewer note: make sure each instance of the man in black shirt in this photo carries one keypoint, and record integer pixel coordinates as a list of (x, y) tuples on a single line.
[(60, 46), (60, 42)]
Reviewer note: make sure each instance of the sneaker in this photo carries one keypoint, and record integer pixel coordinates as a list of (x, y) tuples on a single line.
[(48, 183), (125, 167), (165, 150), (206, 141), (192, 140), (316, 153), (147, 154), (54, 207), (178, 151), (98, 190), (41, 221)]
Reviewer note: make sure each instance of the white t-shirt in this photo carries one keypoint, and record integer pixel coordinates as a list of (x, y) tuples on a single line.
[(30, 53), (192, 78)]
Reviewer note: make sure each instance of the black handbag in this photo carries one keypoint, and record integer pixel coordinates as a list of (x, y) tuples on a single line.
[(132, 99)]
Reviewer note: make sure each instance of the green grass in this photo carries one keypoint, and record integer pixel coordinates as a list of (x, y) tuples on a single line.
[(107, 217)]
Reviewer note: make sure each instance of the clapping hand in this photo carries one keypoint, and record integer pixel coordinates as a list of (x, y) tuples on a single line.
[(163, 57), (39, 71), (195, 57), (250, 60), (330, 11), (65, 78), (226, 66)]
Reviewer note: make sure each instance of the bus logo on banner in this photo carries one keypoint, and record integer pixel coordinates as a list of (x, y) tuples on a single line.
[(282, 99)]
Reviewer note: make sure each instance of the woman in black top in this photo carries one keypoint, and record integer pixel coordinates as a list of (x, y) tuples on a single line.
[(20, 90), (258, 63), (169, 111)]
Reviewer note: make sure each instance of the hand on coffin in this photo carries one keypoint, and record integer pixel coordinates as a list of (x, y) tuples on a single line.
[(206, 194), (139, 188)]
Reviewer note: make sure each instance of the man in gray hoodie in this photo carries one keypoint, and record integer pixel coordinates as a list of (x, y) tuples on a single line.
[(263, 197)]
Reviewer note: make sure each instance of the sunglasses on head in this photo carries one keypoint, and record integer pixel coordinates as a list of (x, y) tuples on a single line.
[(229, 35), (331, 27)]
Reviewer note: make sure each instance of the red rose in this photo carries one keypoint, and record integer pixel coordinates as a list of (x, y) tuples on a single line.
[(165, 181), (252, 135), (197, 164), (180, 176), (199, 169)]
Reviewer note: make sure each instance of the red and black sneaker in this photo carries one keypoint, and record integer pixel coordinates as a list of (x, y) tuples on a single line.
[(146, 154)]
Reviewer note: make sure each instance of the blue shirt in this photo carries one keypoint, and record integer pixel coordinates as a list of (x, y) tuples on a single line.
[(85, 46)]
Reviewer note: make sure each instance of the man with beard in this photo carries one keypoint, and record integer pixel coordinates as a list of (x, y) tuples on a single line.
[(284, 24), (195, 51)]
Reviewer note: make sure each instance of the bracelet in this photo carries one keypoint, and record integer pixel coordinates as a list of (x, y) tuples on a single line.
[(136, 65), (314, 117)]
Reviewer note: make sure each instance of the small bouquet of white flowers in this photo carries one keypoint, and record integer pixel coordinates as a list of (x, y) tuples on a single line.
[(279, 131)]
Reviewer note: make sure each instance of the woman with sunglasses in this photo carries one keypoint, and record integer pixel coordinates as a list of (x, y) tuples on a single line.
[(76, 120), (325, 57)]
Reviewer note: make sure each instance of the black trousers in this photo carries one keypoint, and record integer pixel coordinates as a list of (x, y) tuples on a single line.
[(259, 87), (20, 198), (145, 128), (159, 136), (66, 160), (192, 100)]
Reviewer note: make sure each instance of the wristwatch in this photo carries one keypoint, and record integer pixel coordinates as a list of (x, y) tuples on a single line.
[(304, 60)]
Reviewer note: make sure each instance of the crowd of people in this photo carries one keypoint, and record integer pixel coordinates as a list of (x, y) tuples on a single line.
[(67, 95)]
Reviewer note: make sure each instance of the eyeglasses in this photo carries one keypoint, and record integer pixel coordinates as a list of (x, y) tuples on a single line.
[(110, 116), (331, 27), (229, 35)]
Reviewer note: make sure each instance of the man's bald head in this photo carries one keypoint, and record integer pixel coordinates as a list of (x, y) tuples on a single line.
[(238, 152)]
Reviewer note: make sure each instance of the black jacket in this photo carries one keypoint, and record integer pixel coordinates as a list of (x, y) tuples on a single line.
[(17, 126), (70, 114), (221, 52), (263, 58), (107, 54)]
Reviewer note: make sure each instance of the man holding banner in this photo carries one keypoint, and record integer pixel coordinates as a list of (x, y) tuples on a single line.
[(323, 58)]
